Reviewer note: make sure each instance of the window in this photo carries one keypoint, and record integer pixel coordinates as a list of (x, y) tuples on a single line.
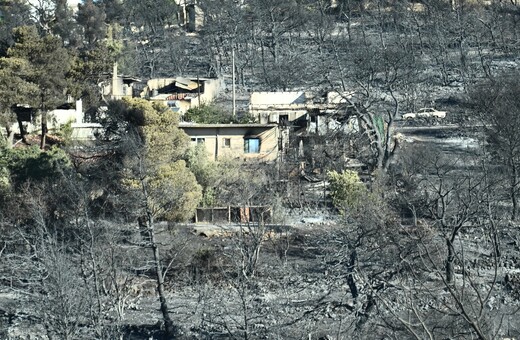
[(227, 142), (198, 140), (173, 105), (252, 145), (283, 119)]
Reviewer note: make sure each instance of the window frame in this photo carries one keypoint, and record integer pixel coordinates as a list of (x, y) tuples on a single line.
[(198, 140), (226, 143), (249, 149)]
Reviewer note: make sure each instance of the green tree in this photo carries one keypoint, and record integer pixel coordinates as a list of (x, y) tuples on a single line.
[(91, 17), (31, 164), (114, 10), (206, 171), (15, 89), (19, 166), (5, 180), (89, 68), (157, 181), (64, 24), (176, 180), (49, 64), (13, 13)]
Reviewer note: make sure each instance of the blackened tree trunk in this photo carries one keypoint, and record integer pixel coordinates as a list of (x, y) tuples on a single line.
[(350, 276), (168, 323), (10, 136), (22, 129), (513, 189), (449, 259), (44, 130)]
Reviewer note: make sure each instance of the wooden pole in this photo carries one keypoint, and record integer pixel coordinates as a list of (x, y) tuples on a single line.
[(198, 88), (233, 67)]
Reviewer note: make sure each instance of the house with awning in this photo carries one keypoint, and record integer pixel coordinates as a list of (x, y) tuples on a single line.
[(181, 94)]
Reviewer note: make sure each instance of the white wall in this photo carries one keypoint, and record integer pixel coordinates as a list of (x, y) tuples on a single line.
[(277, 98)]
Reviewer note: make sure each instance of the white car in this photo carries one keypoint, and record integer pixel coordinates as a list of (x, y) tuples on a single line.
[(426, 112)]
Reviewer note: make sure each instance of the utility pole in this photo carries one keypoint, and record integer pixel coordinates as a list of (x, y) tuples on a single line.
[(198, 88), (44, 121), (233, 67)]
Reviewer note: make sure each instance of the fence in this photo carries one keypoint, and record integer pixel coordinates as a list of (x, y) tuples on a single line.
[(234, 214)]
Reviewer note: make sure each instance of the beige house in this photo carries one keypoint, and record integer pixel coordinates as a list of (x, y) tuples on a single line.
[(257, 142)]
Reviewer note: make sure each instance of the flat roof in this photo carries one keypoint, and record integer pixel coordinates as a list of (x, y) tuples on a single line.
[(278, 98), (252, 125)]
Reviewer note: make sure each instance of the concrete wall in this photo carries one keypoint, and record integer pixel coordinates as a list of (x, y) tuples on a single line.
[(55, 119), (273, 117), (85, 131), (277, 98)]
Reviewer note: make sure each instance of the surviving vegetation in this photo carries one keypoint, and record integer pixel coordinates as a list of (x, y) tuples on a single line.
[(364, 224)]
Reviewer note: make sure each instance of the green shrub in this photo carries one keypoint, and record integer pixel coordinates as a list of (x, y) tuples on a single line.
[(346, 189), (211, 114), (65, 132), (33, 164)]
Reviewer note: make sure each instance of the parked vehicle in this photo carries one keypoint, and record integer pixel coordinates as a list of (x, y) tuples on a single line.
[(426, 112)]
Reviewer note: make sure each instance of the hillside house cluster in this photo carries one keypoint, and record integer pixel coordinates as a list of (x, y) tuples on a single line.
[(281, 118)]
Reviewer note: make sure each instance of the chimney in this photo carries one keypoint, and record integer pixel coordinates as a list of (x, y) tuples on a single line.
[(115, 83), (79, 111)]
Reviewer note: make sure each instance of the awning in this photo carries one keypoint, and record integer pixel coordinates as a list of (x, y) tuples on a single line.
[(186, 84)]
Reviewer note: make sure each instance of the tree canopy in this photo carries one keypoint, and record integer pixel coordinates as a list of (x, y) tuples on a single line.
[(153, 149)]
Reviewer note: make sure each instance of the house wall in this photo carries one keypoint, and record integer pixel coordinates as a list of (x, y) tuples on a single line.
[(55, 119), (273, 116), (157, 83), (215, 141), (117, 88), (85, 131), (212, 88), (277, 98), (184, 104), (266, 107)]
